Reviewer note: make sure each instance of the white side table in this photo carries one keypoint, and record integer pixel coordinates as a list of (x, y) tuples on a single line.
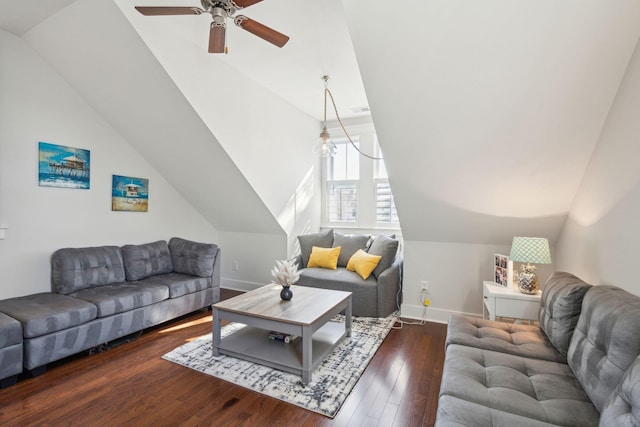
[(509, 302)]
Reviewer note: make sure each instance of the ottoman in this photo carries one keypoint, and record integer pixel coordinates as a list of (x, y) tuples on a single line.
[(10, 350), (49, 323)]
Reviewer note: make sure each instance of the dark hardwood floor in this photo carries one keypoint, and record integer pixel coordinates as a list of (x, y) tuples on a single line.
[(130, 385)]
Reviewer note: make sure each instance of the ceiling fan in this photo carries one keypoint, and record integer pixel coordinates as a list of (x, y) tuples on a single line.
[(220, 10)]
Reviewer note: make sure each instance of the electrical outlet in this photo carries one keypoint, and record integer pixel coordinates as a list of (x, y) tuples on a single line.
[(424, 286), (234, 265)]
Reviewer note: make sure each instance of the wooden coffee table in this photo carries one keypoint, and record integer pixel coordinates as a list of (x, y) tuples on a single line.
[(306, 316)]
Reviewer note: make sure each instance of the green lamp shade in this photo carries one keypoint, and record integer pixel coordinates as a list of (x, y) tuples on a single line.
[(534, 250)]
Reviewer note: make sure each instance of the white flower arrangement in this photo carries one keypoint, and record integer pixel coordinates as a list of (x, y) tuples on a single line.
[(285, 272)]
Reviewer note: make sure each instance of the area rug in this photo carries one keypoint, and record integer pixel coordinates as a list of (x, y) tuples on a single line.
[(331, 382)]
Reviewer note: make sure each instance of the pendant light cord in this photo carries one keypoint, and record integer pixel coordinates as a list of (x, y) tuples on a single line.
[(333, 102)]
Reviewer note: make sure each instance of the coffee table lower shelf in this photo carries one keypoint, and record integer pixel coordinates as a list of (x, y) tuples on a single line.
[(253, 344)]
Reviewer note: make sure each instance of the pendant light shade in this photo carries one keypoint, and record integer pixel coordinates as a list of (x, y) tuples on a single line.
[(323, 146)]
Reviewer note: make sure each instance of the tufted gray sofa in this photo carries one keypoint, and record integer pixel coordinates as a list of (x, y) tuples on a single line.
[(104, 293), (377, 296), (580, 368)]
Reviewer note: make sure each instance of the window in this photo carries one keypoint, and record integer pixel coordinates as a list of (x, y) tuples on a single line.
[(357, 192), (385, 206), (343, 171)]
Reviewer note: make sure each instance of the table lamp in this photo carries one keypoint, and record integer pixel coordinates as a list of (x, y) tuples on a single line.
[(532, 250)]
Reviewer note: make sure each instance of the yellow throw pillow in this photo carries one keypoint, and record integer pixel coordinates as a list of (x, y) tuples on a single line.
[(363, 263), (324, 257)]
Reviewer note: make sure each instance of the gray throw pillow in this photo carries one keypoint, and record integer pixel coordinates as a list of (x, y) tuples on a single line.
[(560, 308), (324, 239), (385, 247), (349, 243)]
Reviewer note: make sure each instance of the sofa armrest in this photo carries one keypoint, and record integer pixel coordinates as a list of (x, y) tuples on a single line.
[(298, 260), (389, 286)]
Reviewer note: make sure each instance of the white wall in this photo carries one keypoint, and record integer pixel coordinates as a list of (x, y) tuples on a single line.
[(36, 104), (600, 241), (455, 272)]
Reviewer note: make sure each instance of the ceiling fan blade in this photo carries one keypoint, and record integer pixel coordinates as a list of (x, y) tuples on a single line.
[(217, 38), (260, 30), (167, 10), (244, 3)]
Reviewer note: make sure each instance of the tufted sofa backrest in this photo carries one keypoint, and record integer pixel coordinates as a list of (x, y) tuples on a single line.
[(623, 407), (73, 269), (605, 342)]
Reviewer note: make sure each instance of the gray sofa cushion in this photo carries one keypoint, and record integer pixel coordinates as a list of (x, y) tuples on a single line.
[(520, 340), (623, 407), (114, 299), (385, 247), (196, 259), (349, 245), (560, 308), (45, 313), (454, 412), (323, 239), (73, 269), (538, 389), (365, 292), (146, 260), (180, 284), (605, 342)]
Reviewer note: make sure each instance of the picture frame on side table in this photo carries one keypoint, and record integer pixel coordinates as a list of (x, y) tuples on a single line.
[(502, 270)]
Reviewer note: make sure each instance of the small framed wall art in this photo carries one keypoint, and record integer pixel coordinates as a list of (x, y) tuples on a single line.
[(129, 194), (60, 166), (502, 270)]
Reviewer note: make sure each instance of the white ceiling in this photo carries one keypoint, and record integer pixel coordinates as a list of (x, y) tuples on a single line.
[(487, 111), (319, 44)]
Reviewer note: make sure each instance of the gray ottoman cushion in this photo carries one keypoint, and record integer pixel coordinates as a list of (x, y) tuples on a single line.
[(73, 269), (349, 245), (560, 308), (521, 340), (114, 299), (538, 389), (10, 331), (605, 342), (180, 284), (323, 239), (623, 407), (11, 351), (192, 258), (45, 313), (146, 260)]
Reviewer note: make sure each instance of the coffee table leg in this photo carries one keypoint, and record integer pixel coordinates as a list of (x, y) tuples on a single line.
[(347, 318), (215, 341), (307, 341)]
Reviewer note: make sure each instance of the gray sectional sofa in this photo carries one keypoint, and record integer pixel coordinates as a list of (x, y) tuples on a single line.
[(580, 368), (104, 293), (378, 295)]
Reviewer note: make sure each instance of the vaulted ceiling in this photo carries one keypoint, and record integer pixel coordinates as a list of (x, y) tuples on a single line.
[(487, 112)]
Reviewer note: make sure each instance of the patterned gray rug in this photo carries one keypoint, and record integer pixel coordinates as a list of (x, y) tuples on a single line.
[(331, 381)]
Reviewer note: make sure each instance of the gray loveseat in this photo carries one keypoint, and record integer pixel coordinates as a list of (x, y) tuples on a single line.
[(376, 296), (580, 368), (104, 293)]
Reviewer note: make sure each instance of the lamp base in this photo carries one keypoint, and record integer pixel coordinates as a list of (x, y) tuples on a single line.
[(528, 283)]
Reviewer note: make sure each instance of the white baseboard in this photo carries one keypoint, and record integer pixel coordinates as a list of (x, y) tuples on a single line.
[(430, 314), (239, 285)]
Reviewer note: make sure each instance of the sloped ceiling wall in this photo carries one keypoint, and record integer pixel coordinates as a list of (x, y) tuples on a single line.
[(488, 112), (106, 61)]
